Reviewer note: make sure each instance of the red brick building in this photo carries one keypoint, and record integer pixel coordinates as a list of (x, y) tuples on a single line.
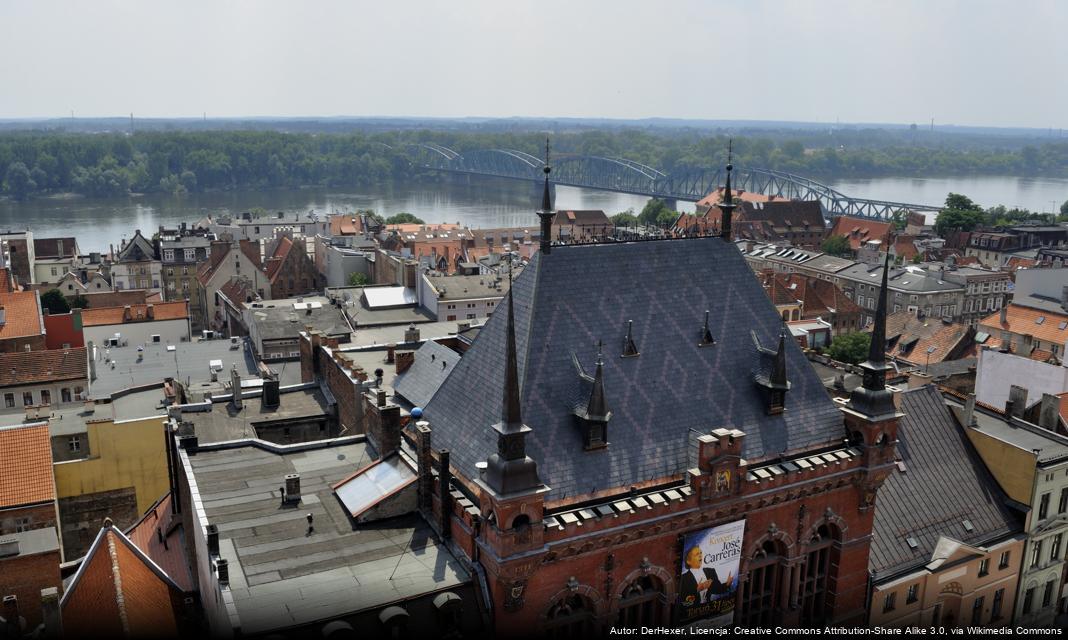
[(290, 271), (588, 436)]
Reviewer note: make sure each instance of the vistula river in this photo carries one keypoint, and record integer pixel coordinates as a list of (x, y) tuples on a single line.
[(98, 222)]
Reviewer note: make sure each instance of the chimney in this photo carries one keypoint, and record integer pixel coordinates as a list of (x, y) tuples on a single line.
[(918, 379), (1049, 411), (391, 352), (76, 314), (235, 386), (1004, 314), (444, 487), (271, 396), (89, 351), (1026, 344), (968, 413), (380, 397), (411, 334), (11, 615), (292, 487), (404, 360), (1017, 403), (213, 540), (1006, 341), (222, 567), (53, 622)]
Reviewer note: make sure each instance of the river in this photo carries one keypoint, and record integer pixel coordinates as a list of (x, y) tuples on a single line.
[(482, 203)]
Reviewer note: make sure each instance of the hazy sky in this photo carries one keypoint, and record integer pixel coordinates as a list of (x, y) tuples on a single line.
[(963, 62)]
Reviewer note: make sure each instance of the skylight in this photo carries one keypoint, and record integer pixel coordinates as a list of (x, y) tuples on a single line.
[(1040, 319), (373, 484), (968, 526), (912, 542)]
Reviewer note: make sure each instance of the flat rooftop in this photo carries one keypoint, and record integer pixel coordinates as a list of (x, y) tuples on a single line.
[(224, 423), (281, 319), (380, 336), (1047, 445), (281, 575), (360, 313), (119, 368)]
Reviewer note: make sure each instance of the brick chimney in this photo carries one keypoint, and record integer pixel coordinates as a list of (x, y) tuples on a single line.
[(404, 360), (53, 622), (383, 422)]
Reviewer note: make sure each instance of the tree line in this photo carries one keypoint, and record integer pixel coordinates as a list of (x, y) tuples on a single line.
[(113, 164)]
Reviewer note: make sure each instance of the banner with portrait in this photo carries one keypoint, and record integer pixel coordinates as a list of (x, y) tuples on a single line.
[(708, 577)]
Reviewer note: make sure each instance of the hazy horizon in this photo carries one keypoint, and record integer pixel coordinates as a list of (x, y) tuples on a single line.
[(801, 62)]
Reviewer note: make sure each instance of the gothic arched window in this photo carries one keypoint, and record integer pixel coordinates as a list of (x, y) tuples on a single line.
[(642, 603), (570, 617)]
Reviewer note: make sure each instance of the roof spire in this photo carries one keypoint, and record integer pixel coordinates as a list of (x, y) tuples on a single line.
[(629, 347), (872, 398), (727, 207), (510, 410), (598, 404), (706, 333), (546, 213), (778, 372)]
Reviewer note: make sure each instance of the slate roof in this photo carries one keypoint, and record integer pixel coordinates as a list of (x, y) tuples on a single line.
[(423, 378), (944, 483), (580, 294), (25, 466), (33, 367)]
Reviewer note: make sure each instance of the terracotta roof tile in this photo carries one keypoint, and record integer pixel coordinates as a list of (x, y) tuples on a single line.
[(278, 258), (120, 591), (169, 552), (25, 466), (1025, 321), (22, 315), (137, 313), (29, 367), (860, 230)]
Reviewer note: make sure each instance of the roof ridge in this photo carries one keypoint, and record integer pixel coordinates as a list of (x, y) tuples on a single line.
[(116, 577)]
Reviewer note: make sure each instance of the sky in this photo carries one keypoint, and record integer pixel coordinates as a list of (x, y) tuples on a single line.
[(967, 62)]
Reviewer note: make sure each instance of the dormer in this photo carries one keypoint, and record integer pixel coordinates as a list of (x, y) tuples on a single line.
[(770, 374), (591, 408)]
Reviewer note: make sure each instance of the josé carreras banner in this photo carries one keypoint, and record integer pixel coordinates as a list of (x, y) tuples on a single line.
[(709, 578)]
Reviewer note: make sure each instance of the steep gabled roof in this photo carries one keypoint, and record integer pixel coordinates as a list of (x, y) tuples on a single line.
[(160, 535), (25, 466), (433, 363), (120, 591), (136, 249), (860, 230), (943, 484), (22, 314), (278, 258), (580, 294)]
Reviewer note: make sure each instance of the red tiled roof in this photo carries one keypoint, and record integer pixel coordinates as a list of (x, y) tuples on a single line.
[(31, 367), (860, 230), (237, 290), (914, 336), (168, 553), (281, 252), (22, 315), (134, 313), (119, 591), (1024, 321), (737, 195), (344, 224), (25, 466)]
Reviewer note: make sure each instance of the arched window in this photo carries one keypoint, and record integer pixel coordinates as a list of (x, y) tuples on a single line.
[(570, 617), (521, 527), (761, 593), (817, 575), (642, 603)]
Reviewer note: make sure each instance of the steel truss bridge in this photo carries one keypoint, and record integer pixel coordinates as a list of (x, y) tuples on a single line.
[(628, 176)]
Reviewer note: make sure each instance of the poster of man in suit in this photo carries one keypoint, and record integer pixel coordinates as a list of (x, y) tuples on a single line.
[(709, 578)]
